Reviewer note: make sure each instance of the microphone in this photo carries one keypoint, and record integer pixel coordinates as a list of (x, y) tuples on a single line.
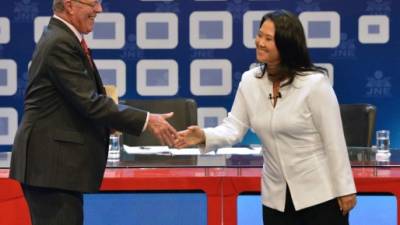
[(275, 97)]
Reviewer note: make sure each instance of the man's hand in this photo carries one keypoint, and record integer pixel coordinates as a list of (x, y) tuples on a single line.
[(161, 129), (347, 202)]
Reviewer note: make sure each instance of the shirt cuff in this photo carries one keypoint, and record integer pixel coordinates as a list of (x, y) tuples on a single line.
[(147, 121)]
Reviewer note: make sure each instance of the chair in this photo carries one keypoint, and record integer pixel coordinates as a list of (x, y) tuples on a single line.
[(358, 123), (13, 206), (185, 114)]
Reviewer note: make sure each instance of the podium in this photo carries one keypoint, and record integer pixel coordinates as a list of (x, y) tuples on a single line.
[(221, 181)]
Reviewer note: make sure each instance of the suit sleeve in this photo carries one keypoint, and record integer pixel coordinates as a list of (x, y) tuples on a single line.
[(76, 84), (326, 117)]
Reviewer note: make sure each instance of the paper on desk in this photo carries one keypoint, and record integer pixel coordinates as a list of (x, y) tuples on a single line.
[(163, 150), (185, 151), (147, 149), (189, 151), (238, 151)]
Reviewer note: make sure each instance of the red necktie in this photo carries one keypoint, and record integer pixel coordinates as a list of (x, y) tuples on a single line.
[(86, 51)]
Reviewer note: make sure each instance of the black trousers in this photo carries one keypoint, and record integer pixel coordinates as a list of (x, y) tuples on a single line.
[(50, 206), (326, 213)]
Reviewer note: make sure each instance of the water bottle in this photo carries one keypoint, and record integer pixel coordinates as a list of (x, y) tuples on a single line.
[(383, 141), (114, 148)]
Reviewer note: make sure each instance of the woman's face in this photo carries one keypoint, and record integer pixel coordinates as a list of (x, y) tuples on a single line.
[(266, 51)]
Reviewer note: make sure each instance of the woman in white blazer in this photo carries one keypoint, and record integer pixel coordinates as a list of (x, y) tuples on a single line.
[(291, 106)]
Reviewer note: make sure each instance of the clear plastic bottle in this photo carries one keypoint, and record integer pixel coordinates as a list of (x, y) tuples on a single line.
[(114, 148)]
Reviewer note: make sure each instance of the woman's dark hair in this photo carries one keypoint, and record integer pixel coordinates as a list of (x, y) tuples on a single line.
[(291, 44)]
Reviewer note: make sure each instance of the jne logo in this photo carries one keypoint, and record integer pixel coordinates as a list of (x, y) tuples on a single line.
[(379, 7), (307, 5), (378, 85), (237, 8), (167, 7), (25, 11), (130, 51), (346, 48)]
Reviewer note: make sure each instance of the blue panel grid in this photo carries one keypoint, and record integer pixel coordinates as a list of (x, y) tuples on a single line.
[(108, 76), (157, 30), (319, 29), (3, 77), (104, 30), (157, 77), (210, 121), (210, 77), (211, 29), (373, 29), (3, 126)]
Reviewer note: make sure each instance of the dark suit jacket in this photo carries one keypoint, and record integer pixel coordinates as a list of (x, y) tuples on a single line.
[(62, 141)]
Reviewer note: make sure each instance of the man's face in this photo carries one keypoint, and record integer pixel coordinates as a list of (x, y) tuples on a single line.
[(83, 13)]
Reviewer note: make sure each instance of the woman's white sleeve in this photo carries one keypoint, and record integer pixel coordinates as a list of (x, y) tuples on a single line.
[(326, 117), (233, 127)]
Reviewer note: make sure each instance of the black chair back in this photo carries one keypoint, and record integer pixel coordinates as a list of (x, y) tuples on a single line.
[(358, 123)]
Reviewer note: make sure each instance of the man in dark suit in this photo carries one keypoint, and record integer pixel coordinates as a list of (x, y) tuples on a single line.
[(60, 149)]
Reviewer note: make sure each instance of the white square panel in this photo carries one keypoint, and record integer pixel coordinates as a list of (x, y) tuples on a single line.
[(8, 125), (39, 24), (157, 30), (211, 77), (329, 68), (8, 77), (157, 77), (373, 29), (210, 29), (322, 28), (108, 32), (210, 116), (4, 30), (251, 26), (113, 72)]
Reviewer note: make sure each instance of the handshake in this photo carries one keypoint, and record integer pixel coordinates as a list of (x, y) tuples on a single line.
[(167, 135), (162, 130)]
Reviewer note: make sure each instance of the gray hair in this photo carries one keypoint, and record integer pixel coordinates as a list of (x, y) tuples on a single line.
[(58, 5)]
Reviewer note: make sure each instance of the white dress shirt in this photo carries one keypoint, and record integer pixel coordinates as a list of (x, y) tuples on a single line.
[(302, 138)]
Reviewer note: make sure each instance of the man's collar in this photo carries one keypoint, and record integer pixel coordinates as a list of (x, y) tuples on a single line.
[(71, 27)]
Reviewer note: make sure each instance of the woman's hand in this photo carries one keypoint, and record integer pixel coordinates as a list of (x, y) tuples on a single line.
[(193, 135), (347, 203)]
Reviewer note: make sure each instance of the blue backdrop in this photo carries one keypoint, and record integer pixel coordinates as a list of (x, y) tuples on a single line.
[(199, 49)]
